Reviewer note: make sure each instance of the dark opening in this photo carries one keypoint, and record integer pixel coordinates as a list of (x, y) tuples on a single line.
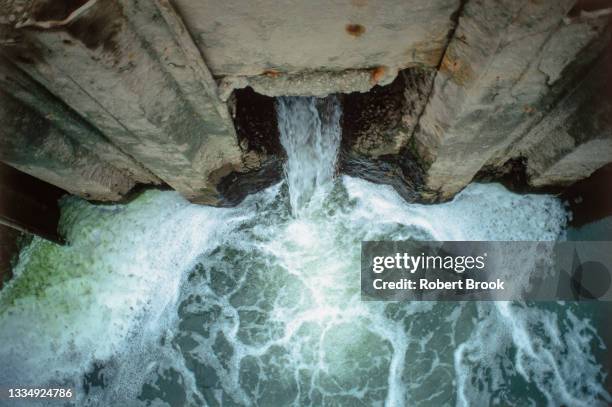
[(590, 198), (376, 145), (29, 204), (374, 122), (588, 5), (257, 131), (513, 175), (372, 118), (255, 122), (56, 10)]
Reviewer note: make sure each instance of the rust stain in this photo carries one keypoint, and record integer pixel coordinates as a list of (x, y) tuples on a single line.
[(430, 57), (528, 109), (459, 71), (426, 52), (356, 30), (271, 73), (377, 74)]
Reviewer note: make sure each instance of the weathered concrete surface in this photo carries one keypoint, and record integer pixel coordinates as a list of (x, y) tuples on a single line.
[(251, 38), (504, 64), (317, 48), (316, 83), (130, 69), (32, 94), (487, 86), (575, 138), (34, 145)]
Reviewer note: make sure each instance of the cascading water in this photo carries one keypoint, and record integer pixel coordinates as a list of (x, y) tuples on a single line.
[(310, 133), (161, 302)]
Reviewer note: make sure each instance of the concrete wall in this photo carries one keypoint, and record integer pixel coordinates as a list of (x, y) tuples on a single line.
[(118, 93), (504, 69), (240, 38), (131, 70)]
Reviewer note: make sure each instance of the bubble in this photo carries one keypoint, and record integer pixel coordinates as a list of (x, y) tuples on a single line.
[(161, 301)]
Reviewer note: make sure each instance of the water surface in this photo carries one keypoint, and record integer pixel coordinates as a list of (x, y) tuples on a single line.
[(160, 302)]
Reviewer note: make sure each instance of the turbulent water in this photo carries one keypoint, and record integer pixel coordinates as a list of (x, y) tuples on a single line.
[(161, 302), (310, 134)]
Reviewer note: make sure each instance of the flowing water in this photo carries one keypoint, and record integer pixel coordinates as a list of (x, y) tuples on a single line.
[(310, 134), (160, 302)]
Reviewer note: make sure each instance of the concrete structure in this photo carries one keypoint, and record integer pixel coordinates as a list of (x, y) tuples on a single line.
[(99, 96), (504, 70)]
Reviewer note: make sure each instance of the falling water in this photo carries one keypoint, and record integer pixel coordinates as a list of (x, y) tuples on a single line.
[(161, 302), (310, 133)]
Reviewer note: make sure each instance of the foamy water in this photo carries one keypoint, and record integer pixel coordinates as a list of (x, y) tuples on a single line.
[(255, 307), (310, 134), (161, 302)]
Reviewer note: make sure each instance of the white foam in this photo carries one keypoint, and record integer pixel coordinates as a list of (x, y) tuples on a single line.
[(115, 290), (310, 134), (71, 305)]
